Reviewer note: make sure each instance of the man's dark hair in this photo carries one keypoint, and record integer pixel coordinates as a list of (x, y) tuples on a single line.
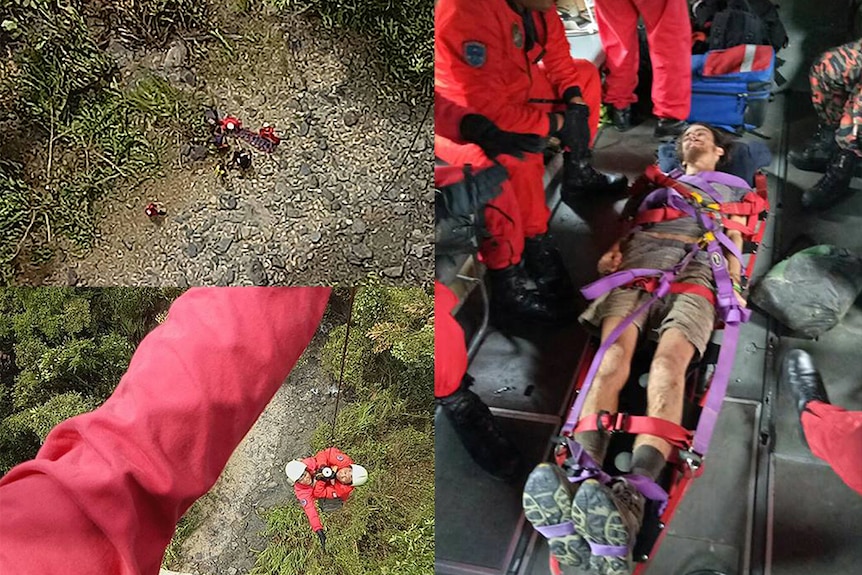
[(722, 140)]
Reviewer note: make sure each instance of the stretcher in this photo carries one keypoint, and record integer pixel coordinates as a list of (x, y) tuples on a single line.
[(707, 378)]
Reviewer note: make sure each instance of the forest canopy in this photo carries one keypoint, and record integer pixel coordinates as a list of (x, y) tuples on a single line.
[(62, 352)]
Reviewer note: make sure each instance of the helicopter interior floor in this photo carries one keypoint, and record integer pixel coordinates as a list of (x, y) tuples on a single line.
[(764, 503)]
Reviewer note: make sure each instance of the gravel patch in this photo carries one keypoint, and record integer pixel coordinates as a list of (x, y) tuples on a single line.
[(347, 193)]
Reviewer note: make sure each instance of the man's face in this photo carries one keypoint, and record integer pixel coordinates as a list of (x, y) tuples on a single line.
[(345, 475), (305, 479), (535, 4), (698, 144)]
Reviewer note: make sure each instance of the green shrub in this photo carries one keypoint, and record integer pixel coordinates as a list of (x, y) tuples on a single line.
[(59, 408), (81, 131), (155, 21), (403, 30), (62, 352), (391, 344), (15, 215)]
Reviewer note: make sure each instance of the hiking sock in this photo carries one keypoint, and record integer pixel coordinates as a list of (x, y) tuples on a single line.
[(596, 443), (648, 461)]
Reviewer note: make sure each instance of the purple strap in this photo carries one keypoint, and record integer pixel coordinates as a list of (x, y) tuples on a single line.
[(587, 466), (590, 469), (608, 550), (702, 185), (615, 280), (725, 178), (649, 489), (717, 389), (558, 530)]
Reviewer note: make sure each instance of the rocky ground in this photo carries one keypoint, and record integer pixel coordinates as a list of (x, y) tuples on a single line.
[(347, 193), (254, 479)]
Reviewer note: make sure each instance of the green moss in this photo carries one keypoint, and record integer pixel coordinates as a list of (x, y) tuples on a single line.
[(403, 31)]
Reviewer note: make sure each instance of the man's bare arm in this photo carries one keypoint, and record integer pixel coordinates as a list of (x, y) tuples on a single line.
[(734, 266)]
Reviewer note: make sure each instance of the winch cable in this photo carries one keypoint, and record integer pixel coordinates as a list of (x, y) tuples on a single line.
[(341, 371)]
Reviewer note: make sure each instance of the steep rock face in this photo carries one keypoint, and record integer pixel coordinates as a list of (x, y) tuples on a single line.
[(254, 479)]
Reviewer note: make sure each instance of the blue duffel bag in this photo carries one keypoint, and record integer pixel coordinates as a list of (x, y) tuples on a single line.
[(730, 88)]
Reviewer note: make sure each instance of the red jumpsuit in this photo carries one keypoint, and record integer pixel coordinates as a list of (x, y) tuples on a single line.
[(481, 63), (835, 436), (447, 118), (107, 488), (450, 351), (669, 37), (334, 489)]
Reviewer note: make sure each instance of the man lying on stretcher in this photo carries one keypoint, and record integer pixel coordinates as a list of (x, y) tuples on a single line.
[(611, 515)]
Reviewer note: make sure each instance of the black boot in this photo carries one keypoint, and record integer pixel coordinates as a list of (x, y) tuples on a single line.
[(581, 181), (669, 127), (817, 152), (512, 301), (621, 118), (835, 185), (479, 433), (799, 374), (545, 267)]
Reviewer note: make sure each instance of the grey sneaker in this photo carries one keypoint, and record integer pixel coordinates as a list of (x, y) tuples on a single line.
[(547, 500), (609, 515)]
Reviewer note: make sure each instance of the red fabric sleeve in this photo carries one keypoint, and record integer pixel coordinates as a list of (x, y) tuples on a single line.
[(557, 61), (482, 88), (450, 349), (306, 497), (106, 489), (447, 118)]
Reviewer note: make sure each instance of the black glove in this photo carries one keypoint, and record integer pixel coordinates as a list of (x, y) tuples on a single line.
[(575, 133), (459, 207), (494, 141), (322, 536)]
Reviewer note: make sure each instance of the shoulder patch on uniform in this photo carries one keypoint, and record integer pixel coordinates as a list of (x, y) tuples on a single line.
[(475, 54), (303, 502), (339, 457)]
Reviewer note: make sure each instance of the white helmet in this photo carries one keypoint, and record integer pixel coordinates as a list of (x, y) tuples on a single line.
[(360, 475), (294, 470)]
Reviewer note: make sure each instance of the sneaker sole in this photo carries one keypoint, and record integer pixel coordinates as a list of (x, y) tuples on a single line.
[(596, 517), (547, 500)]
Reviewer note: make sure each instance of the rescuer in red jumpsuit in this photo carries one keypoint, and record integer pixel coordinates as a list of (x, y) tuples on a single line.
[(669, 37), (833, 433), (106, 490), (470, 417), (330, 474), (510, 61)]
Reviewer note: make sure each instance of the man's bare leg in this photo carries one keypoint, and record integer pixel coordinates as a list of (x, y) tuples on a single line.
[(609, 380), (665, 394)]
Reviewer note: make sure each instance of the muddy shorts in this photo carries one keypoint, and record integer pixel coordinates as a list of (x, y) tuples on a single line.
[(689, 313)]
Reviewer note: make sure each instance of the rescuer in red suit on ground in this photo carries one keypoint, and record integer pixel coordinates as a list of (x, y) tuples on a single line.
[(330, 474)]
